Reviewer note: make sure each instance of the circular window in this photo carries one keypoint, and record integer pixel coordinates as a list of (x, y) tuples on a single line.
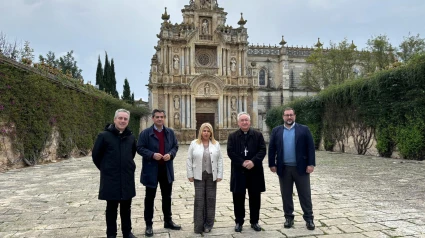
[(204, 59)]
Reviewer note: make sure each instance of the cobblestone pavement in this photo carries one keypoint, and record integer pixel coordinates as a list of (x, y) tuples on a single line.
[(353, 196)]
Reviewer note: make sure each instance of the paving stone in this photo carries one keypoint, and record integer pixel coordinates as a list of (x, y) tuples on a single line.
[(60, 200)]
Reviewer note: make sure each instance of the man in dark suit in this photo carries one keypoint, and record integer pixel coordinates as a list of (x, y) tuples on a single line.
[(158, 146), (113, 154), (292, 155), (246, 149)]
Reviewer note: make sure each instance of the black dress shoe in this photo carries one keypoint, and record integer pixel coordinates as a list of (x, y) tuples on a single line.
[(149, 231), (310, 225), (171, 225), (111, 236), (256, 227), (130, 235), (289, 222), (238, 227)]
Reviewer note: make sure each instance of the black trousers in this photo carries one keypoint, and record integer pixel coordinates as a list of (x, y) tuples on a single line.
[(254, 203), (111, 217), (166, 189), (291, 176)]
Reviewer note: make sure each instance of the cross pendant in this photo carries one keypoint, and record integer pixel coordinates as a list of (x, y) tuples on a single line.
[(246, 151)]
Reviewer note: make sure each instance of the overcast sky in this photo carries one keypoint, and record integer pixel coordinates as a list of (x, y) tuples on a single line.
[(127, 29)]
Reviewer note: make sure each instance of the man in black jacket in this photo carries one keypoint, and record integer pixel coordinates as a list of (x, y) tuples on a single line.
[(113, 154), (246, 149)]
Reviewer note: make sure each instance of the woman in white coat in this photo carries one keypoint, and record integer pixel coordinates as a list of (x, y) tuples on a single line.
[(204, 168)]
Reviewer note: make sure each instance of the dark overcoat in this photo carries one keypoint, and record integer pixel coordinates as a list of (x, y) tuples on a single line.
[(113, 154), (304, 149), (256, 152), (147, 146)]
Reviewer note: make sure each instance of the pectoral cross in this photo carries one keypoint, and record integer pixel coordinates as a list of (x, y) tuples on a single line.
[(246, 151)]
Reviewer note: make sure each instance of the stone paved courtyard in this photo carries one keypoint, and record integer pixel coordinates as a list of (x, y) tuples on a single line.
[(353, 196)]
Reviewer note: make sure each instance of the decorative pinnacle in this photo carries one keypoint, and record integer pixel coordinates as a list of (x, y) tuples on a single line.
[(318, 44), (242, 22), (165, 16), (353, 45), (282, 42)]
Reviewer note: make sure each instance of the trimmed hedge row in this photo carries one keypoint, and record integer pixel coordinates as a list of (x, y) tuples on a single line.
[(389, 106), (32, 105)]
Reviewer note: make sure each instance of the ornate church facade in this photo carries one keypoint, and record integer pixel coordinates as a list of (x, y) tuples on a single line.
[(206, 71)]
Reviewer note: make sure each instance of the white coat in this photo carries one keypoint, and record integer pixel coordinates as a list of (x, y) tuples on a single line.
[(195, 157)]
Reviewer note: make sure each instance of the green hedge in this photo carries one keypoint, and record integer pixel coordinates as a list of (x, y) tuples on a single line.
[(391, 104), (34, 105)]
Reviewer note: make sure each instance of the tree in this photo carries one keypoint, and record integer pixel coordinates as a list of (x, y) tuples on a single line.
[(126, 92), (411, 46), (106, 75), (99, 75), (331, 66), (113, 81), (68, 65), (50, 59), (382, 51), (9, 50), (27, 54)]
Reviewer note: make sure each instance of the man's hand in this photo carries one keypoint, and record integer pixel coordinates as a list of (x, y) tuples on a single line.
[(273, 169), (219, 179), (191, 179), (309, 169), (166, 157), (157, 156), (248, 164)]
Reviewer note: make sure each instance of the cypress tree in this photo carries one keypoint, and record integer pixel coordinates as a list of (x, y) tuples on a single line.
[(99, 75), (132, 98), (113, 81), (126, 92), (106, 75)]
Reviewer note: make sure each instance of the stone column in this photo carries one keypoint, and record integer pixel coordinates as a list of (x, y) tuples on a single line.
[(220, 112), (245, 103), (167, 109), (229, 111), (254, 113), (188, 110), (239, 62)]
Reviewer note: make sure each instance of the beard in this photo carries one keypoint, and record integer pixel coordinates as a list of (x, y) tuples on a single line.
[(289, 123)]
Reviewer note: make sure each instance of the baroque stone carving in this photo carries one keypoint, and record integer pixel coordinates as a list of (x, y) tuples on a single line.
[(176, 63), (233, 101), (177, 124), (233, 65), (176, 102)]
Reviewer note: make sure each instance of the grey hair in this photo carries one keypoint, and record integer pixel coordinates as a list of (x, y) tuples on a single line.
[(244, 113), (121, 110)]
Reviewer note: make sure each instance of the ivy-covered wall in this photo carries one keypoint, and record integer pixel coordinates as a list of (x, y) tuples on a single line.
[(33, 104), (388, 106)]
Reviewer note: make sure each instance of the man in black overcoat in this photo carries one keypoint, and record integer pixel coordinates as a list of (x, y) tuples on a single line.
[(113, 154), (246, 149)]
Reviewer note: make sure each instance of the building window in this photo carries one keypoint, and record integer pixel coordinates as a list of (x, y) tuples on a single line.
[(262, 78)]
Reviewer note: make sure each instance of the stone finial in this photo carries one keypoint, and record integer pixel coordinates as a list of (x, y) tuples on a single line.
[(165, 16), (242, 22), (282, 42), (318, 44), (353, 46)]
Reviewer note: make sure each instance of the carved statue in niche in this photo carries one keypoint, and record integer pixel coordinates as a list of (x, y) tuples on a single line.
[(205, 30), (233, 65), (207, 89), (234, 120), (177, 120), (206, 3), (176, 102), (176, 60), (233, 103)]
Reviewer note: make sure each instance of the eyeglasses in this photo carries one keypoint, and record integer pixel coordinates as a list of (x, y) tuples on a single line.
[(288, 115)]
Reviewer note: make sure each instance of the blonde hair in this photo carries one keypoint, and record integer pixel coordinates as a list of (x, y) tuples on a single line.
[(209, 126)]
